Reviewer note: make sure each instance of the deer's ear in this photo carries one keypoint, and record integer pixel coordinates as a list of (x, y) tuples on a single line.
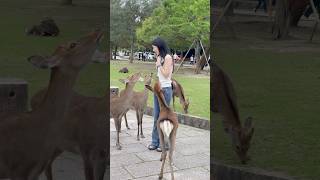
[(44, 62), (149, 87)]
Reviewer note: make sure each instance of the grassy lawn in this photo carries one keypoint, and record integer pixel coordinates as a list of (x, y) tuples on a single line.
[(196, 87), (16, 47), (281, 92)]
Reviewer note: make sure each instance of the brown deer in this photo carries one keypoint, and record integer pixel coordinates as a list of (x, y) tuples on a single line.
[(28, 140), (177, 91), (167, 126), (119, 105), (225, 102), (139, 103), (85, 133)]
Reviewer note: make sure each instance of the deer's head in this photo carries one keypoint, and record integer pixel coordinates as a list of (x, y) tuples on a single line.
[(241, 140), (131, 80), (148, 79), (70, 56)]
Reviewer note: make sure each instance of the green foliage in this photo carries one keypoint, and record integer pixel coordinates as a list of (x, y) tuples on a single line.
[(126, 15), (179, 22)]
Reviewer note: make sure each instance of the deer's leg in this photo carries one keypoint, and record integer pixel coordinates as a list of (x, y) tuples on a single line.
[(48, 169), (141, 116), (161, 138), (138, 122), (88, 166), (171, 149), (48, 172), (125, 118), (118, 127), (163, 157), (100, 164), (118, 141)]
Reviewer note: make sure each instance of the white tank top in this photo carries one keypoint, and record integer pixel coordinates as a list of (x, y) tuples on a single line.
[(164, 82)]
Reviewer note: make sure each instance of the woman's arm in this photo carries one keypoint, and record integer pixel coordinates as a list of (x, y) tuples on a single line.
[(166, 69)]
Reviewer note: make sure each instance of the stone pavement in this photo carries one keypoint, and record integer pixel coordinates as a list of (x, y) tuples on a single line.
[(134, 161)]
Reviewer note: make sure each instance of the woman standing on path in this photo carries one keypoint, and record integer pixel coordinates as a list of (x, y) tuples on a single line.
[(164, 66)]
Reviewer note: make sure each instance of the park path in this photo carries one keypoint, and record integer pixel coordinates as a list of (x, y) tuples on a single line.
[(191, 158)]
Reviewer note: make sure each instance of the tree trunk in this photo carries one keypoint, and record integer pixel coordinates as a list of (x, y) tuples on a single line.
[(115, 52), (202, 61), (280, 29), (131, 51), (66, 2), (197, 54)]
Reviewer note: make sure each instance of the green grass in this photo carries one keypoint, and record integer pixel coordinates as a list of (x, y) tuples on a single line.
[(16, 47), (196, 87), (281, 92)]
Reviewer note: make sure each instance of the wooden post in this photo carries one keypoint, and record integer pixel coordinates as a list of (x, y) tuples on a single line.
[(13, 95), (114, 91)]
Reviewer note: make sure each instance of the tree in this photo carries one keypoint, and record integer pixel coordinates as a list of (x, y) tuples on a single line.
[(126, 15), (179, 22), (280, 29)]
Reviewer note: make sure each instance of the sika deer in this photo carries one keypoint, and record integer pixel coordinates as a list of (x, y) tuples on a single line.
[(28, 140), (167, 126), (177, 91), (225, 102), (121, 104), (139, 103), (85, 129)]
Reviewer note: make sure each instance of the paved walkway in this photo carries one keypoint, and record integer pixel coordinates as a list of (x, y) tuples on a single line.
[(191, 158)]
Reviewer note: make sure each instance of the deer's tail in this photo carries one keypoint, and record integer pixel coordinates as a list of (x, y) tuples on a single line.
[(166, 127)]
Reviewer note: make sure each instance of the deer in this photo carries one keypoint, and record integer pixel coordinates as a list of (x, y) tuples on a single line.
[(119, 105), (225, 103), (167, 125), (139, 103), (177, 91), (28, 139), (85, 133)]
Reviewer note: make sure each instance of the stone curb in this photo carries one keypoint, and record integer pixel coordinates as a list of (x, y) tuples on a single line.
[(186, 119), (226, 172)]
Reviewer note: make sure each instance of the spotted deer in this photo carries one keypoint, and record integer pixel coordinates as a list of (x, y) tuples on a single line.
[(225, 103)]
